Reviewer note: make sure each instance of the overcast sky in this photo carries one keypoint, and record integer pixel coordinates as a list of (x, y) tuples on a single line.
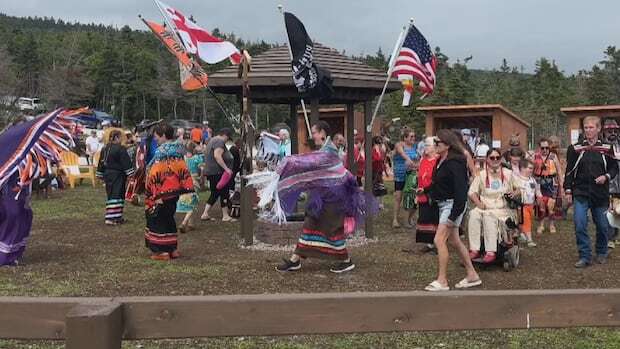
[(574, 33)]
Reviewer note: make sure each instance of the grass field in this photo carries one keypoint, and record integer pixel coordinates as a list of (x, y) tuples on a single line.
[(71, 253)]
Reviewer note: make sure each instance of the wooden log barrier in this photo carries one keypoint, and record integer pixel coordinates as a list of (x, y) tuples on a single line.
[(103, 321), (268, 315), (95, 326)]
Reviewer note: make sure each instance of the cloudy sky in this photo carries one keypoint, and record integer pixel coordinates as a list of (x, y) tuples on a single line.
[(574, 33)]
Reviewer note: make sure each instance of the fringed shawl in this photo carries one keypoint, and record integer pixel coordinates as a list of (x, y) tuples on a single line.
[(168, 175), (26, 148), (322, 175)]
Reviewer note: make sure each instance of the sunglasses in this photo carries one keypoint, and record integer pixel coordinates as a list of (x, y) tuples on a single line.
[(544, 148), (439, 141), (494, 158)]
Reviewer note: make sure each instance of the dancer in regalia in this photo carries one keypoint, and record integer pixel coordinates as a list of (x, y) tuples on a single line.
[(167, 178), (114, 167), (144, 154), (26, 150), (335, 202)]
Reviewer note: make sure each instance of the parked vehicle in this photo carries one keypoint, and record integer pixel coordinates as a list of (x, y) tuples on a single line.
[(184, 124), (30, 104), (93, 119)]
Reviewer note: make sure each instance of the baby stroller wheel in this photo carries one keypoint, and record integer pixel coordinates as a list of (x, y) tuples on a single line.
[(515, 256), (506, 265)]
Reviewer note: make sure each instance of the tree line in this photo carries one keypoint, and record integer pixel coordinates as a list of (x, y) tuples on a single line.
[(130, 74)]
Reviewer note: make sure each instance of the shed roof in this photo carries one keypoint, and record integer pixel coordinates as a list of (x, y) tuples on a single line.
[(473, 108), (271, 77), (591, 108)]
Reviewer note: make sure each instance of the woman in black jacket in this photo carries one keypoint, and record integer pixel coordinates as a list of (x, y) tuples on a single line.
[(449, 190)]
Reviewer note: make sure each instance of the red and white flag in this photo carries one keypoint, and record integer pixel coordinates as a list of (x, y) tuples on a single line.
[(199, 41)]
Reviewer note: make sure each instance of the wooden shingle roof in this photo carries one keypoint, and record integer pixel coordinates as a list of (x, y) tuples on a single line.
[(472, 108), (271, 77)]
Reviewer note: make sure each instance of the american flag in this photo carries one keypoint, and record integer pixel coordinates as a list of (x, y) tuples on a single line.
[(415, 60)]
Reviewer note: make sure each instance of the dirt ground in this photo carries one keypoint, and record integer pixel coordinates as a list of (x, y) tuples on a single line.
[(71, 253)]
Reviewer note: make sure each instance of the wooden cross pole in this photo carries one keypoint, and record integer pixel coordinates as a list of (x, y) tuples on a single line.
[(247, 141)]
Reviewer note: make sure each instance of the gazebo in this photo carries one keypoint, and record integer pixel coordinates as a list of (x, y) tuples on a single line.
[(575, 117), (492, 121), (270, 80)]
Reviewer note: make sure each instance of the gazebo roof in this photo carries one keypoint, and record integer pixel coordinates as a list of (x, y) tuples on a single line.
[(271, 77)]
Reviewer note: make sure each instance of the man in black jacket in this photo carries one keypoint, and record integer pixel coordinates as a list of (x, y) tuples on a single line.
[(589, 168)]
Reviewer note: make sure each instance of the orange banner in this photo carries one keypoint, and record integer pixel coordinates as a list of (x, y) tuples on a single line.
[(193, 77)]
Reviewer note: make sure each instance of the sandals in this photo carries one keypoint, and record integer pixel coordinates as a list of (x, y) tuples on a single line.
[(467, 284), (435, 286)]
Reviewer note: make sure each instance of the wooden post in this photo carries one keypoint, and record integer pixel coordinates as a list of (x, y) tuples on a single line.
[(294, 129), (95, 326), (247, 192), (369, 229), (350, 126), (314, 113)]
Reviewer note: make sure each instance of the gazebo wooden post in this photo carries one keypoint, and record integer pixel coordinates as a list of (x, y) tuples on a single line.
[(369, 229), (294, 129), (314, 113), (350, 141), (247, 193)]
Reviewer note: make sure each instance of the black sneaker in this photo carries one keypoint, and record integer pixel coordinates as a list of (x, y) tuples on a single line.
[(288, 265), (342, 267)]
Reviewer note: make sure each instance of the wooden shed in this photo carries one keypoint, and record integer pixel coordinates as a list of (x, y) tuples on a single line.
[(575, 117), (493, 122)]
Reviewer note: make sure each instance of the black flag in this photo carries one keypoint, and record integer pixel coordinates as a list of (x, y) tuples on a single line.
[(310, 79)]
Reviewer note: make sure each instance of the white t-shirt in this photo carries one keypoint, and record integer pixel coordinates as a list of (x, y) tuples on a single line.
[(528, 189), (481, 150), (92, 144)]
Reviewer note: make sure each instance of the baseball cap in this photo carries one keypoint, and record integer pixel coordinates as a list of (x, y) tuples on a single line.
[(466, 132)]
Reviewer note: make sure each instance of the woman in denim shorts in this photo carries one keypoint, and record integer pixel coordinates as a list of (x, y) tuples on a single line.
[(449, 190)]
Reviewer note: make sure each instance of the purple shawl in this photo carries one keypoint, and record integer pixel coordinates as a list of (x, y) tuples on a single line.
[(323, 176)]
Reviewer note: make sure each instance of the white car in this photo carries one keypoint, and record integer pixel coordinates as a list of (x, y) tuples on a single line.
[(33, 104)]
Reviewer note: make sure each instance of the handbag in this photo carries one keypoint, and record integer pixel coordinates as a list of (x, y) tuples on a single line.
[(378, 189)]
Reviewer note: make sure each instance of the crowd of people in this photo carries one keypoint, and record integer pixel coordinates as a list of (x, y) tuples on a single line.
[(451, 185)]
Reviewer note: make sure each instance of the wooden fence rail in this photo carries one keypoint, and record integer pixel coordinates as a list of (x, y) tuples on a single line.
[(102, 323)]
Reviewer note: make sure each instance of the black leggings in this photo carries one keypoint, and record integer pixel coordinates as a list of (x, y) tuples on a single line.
[(222, 194)]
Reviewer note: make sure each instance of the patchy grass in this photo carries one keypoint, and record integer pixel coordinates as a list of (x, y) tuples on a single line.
[(584, 338), (71, 253)]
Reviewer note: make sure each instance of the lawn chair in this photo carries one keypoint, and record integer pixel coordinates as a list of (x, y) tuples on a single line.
[(94, 165), (71, 166)]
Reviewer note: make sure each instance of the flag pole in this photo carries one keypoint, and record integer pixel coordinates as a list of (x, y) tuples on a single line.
[(290, 52), (397, 47), (174, 30), (173, 27)]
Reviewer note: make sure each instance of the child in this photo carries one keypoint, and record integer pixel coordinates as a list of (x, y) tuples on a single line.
[(530, 192), (187, 203)]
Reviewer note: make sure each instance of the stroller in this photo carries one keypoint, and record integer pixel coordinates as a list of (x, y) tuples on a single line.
[(507, 246)]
